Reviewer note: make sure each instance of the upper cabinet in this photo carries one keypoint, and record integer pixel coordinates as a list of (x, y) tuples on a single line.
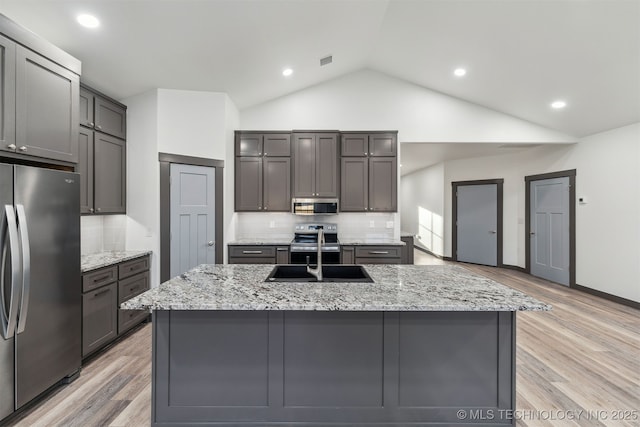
[(315, 164), (369, 172), (102, 148), (101, 114), (262, 172), (39, 98)]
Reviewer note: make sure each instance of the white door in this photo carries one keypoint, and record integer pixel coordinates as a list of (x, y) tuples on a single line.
[(477, 222), (192, 193), (550, 229)]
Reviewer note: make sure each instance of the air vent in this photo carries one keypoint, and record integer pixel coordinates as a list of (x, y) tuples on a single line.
[(326, 60)]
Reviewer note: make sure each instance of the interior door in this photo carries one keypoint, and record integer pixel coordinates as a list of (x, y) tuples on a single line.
[(550, 229), (477, 222), (192, 194)]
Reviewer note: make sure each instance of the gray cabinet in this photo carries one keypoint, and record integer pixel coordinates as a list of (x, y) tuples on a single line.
[(102, 114), (407, 250), (262, 172), (315, 165), (101, 154), (103, 291), (258, 254), (348, 255), (378, 254), (369, 172)]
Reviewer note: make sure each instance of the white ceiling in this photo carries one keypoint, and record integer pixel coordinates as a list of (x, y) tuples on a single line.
[(520, 55)]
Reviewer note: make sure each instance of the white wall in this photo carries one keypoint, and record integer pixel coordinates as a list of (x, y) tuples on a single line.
[(422, 202), (369, 100), (232, 123), (143, 178), (607, 227)]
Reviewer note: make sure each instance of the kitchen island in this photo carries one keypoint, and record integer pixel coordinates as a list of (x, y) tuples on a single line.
[(422, 344)]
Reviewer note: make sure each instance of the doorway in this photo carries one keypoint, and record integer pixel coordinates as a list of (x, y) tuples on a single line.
[(477, 221), (550, 226), (192, 183)]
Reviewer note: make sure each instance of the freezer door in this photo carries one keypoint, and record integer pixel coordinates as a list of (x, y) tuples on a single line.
[(7, 396), (49, 347)]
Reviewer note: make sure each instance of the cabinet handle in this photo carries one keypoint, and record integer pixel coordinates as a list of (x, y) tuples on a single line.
[(98, 209), (134, 267), (265, 208), (11, 146), (91, 124), (98, 127), (104, 291), (379, 252), (252, 252), (23, 148), (281, 249), (259, 207), (101, 278), (91, 210)]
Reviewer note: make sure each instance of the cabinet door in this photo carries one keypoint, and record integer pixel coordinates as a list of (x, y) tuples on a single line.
[(86, 108), (382, 145), (326, 165), (85, 169), (99, 318), (110, 118), (304, 165), (382, 184), (248, 144), (109, 174), (355, 145), (248, 184), (348, 255), (277, 145), (277, 184), (354, 194), (282, 255), (7, 94), (47, 98)]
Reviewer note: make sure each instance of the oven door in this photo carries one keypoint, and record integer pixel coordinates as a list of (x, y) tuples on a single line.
[(327, 257)]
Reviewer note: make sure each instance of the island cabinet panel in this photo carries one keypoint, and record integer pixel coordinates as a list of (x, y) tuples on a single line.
[(330, 368)]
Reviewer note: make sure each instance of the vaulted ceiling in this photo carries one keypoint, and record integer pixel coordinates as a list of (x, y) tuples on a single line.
[(520, 55)]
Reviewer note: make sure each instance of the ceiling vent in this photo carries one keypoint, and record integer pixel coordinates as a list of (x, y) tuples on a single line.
[(326, 60)]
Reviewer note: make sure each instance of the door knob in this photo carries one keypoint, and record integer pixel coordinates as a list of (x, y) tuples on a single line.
[(532, 233), (210, 243), (493, 232)]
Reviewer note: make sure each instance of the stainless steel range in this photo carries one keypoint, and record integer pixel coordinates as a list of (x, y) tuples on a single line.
[(304, 246)]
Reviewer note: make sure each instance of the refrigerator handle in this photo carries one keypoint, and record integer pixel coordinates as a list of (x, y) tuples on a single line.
[(23, 232), (9, 229)]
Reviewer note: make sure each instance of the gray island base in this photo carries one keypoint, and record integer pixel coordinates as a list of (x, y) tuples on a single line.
[(341, 363)]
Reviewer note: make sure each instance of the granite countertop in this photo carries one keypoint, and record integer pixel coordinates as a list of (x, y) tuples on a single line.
[(371, 241), (396, 288), (258, 241), (105, 259)]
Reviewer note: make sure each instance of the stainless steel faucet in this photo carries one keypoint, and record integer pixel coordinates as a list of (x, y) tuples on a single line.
[(317, 272)]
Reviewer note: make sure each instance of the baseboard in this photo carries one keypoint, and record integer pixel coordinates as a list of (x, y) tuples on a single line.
[(604, 295), (513, 267), (427, 251)]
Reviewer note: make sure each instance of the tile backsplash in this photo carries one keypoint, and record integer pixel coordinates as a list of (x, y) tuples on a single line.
[(101, 233), (280, 225)]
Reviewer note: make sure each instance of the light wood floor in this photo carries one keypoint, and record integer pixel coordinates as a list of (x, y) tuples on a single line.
[(584, 355)]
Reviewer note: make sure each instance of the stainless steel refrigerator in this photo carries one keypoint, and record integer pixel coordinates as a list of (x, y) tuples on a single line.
[(40, 290)]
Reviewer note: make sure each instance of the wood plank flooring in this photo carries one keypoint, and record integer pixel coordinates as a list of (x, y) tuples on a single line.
[(584, 355)]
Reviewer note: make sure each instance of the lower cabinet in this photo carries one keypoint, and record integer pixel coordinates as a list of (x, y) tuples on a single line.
[(103, 290), (365, 254), (258, 254)]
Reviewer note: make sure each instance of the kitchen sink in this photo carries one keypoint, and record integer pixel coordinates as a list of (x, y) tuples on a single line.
[(330, 273)]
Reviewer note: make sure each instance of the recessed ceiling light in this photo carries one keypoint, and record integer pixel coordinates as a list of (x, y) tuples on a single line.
[(558, 104), (459, 72), (287, 72), (88, 21)]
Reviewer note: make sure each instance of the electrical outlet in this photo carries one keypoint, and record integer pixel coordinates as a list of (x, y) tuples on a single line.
[(371, 224), (389, 224)]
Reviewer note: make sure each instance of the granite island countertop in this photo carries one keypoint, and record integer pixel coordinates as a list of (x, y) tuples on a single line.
[(395, 288), (105, 259)]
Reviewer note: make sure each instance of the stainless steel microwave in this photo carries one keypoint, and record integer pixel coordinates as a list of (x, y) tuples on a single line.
[(314, 206)]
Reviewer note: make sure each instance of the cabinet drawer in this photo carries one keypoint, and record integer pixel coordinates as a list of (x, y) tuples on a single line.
[(98, 278), (127, 319), (370, 260), (132, 286), (132, 267), (252, 260), (252, 251), (378, 251)]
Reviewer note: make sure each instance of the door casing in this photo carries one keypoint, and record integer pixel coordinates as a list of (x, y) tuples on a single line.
[(454, 207), (166, 159), (571, 174)]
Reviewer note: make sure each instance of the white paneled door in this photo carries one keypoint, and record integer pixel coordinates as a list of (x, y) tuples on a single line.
[(192, 193), (550, 229)]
